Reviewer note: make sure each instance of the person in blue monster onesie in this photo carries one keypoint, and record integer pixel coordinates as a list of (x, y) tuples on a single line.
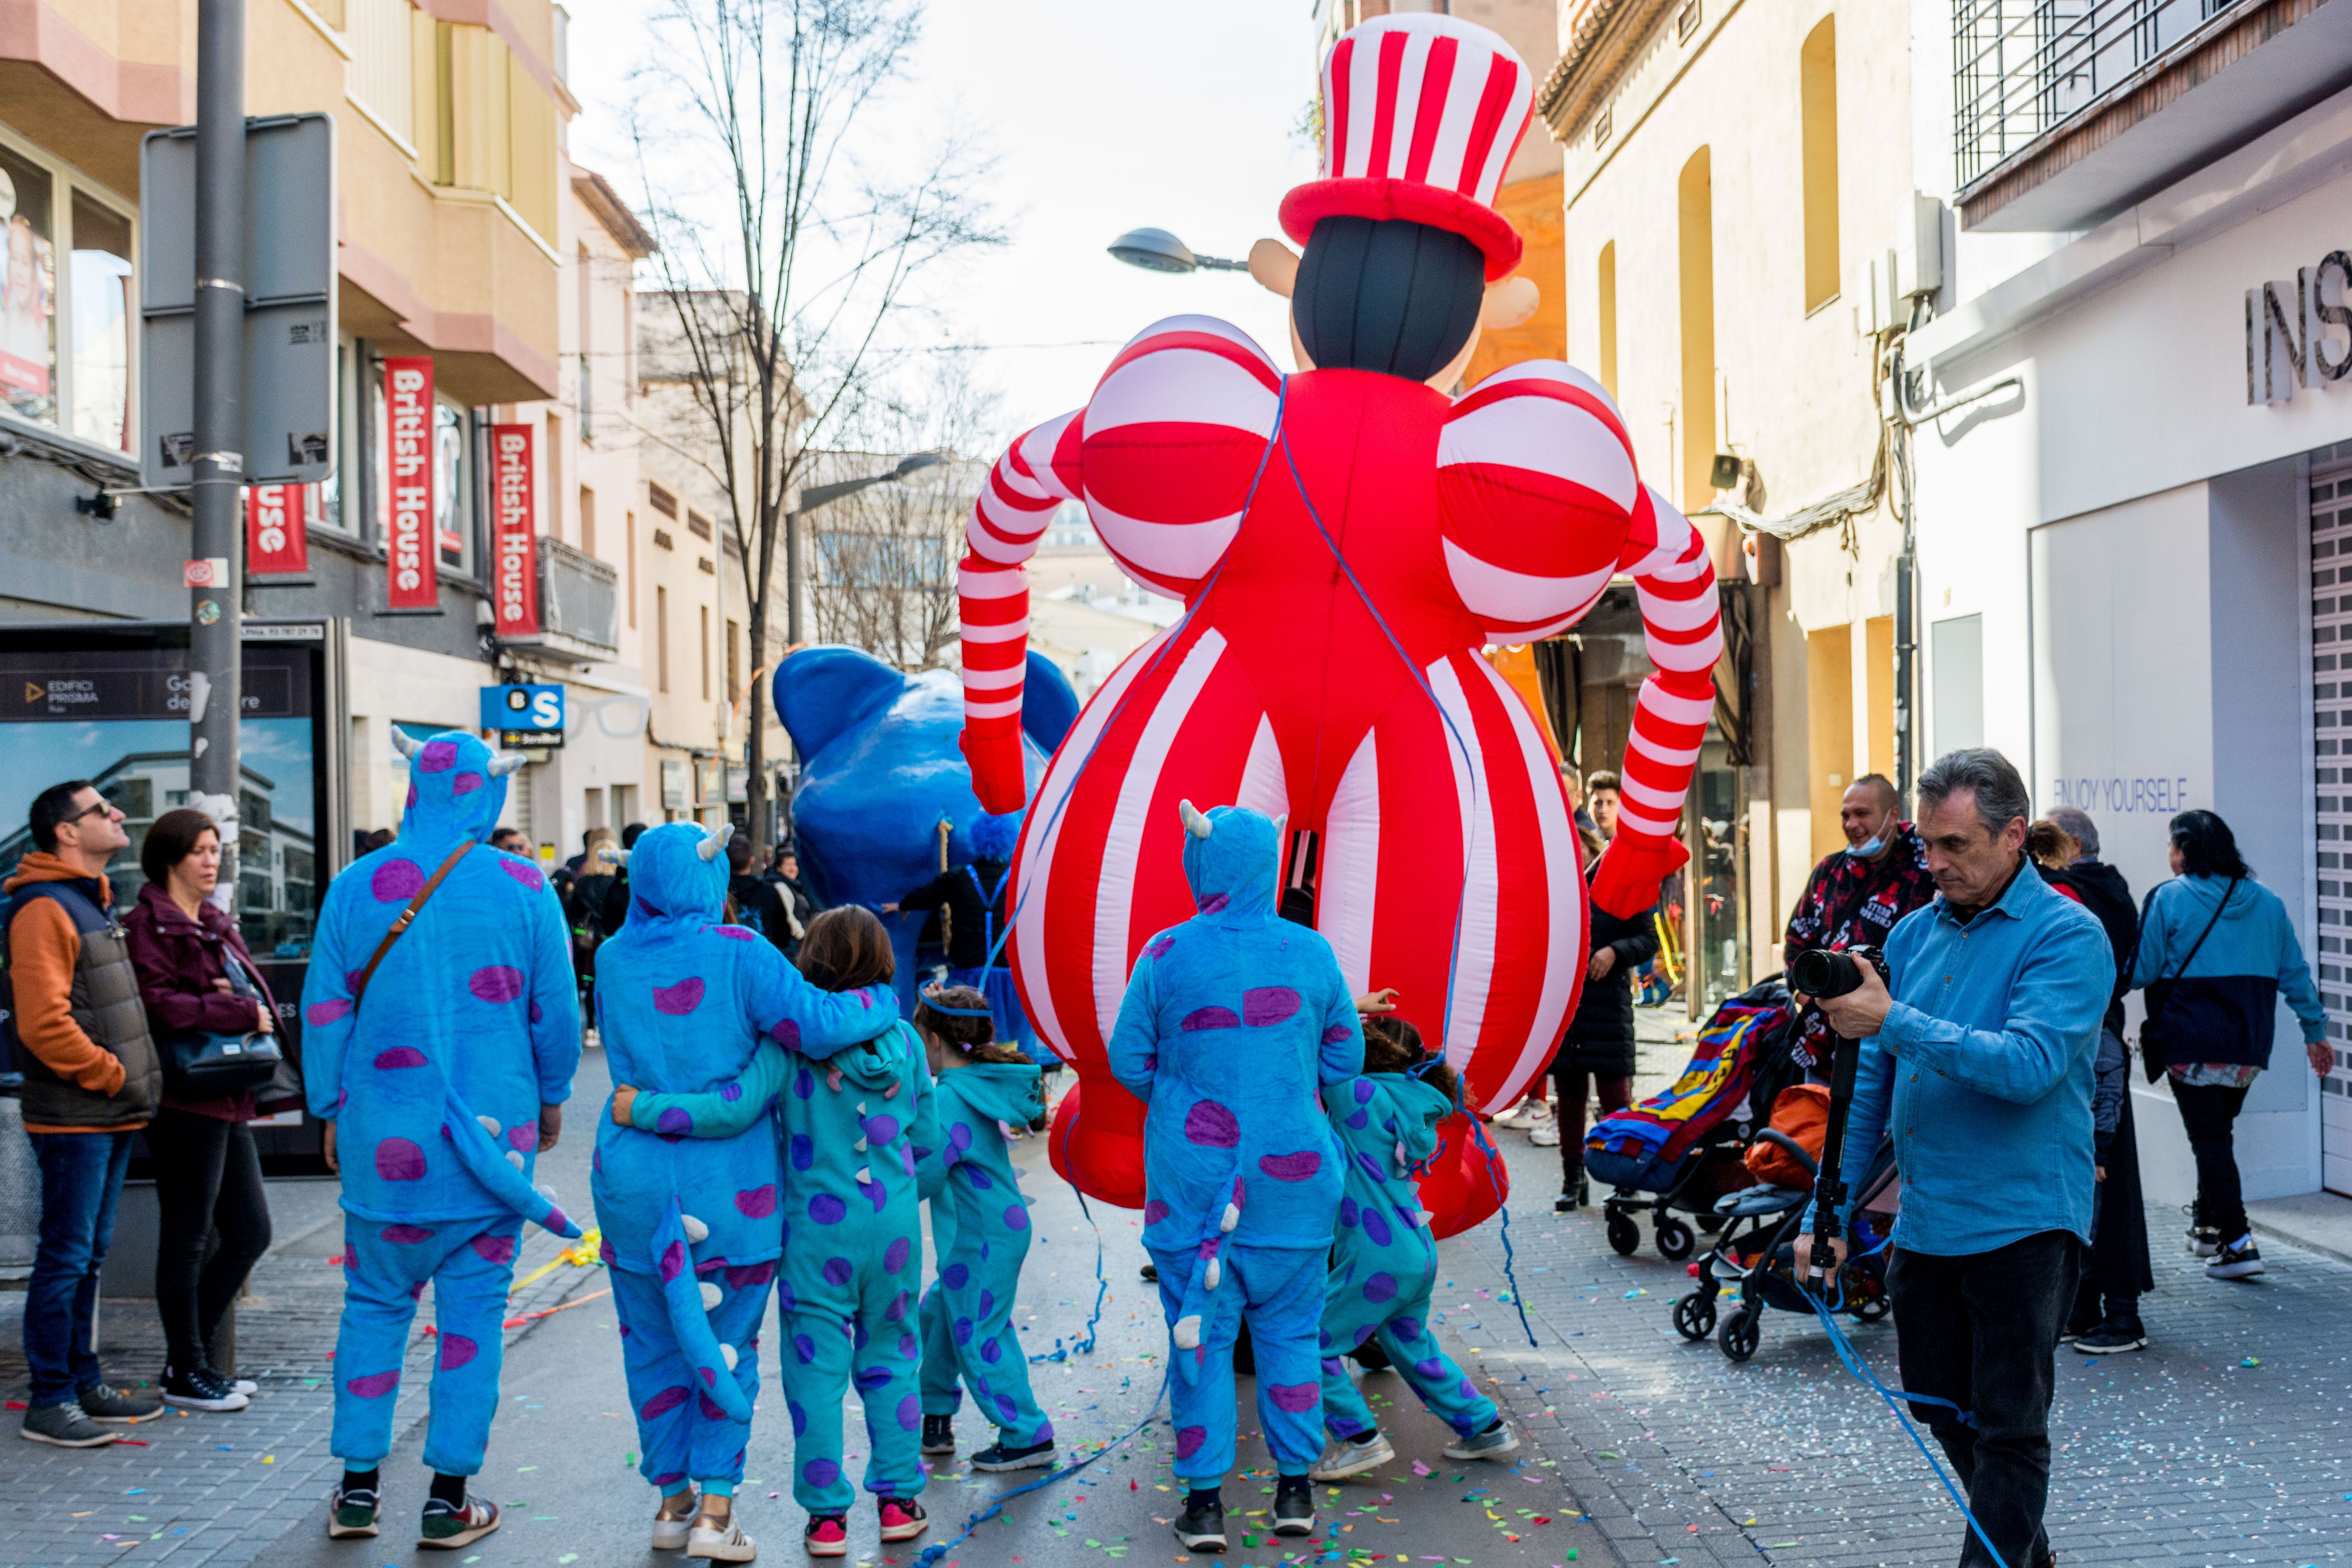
[(1230, 1022), (980, 1231), (440, 1064), (693, 1225), (855, 1127), (1384, 1261)]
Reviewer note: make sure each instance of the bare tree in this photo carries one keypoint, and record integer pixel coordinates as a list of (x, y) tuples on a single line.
[(786, 260), (885, 559)]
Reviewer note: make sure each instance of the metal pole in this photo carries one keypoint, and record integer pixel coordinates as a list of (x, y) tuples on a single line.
[(216, 689), (792, 579)]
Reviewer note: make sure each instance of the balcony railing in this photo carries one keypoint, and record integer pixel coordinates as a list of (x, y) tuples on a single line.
[(2021, 69), (579, 603)]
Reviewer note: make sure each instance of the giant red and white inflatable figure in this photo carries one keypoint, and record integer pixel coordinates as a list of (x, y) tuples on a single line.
[(1343, 571)]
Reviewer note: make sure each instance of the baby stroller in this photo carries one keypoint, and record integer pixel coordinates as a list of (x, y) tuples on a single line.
[(1757, 1252), (1683, 1147)]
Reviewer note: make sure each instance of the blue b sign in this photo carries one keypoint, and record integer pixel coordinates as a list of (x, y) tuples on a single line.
[(524, 715)]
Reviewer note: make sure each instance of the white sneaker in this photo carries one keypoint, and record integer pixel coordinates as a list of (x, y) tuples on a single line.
[(672, 1535), (1521, 1115), (1344, 1457), (1493, 1443), (1545, 1134), (728, 1545)]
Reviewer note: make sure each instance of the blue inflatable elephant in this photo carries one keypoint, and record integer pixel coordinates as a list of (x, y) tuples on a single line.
[(880, 770)]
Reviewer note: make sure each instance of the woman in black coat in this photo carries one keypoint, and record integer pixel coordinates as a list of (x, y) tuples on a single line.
[(1597, 1057)]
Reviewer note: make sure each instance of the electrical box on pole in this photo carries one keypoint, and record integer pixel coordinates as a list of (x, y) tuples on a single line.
[(289, 302)]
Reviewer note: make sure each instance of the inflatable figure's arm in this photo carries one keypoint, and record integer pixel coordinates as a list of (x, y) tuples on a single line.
[(1164, 455), (1674, 577), (328, 1014), (1536, 489), (730, 1108), (1134, 1044), (1037, 475), (554, 1000)]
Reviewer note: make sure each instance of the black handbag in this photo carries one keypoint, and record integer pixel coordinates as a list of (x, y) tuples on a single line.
[(205, 1064), (2160, 990)]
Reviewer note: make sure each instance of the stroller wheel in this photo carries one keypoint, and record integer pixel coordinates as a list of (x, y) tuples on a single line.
[(1674, 1239), (1741, 1332), (1695, 1315), (1624, 1235)]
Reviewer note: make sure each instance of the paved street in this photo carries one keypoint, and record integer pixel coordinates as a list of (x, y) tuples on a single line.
[(2180, 1455)]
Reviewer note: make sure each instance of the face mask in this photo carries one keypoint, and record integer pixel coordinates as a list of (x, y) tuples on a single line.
[(1871, 851)]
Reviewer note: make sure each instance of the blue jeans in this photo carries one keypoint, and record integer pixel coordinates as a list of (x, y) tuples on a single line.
[(81, 1183)]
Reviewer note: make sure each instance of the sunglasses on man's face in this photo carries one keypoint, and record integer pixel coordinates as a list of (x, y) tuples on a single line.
[(101, 808)]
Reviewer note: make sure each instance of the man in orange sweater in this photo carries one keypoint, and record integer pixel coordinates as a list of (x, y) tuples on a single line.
[(78, 1034)]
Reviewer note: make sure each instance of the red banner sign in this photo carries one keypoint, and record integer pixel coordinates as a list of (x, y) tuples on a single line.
[(514, 532), (409, 460), (277, 529)]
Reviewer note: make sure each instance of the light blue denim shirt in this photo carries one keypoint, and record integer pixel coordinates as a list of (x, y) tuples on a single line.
[(1981, 1073)]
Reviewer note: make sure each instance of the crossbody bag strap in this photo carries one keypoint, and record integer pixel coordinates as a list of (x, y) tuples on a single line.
[(359, 988), (2198, 946)]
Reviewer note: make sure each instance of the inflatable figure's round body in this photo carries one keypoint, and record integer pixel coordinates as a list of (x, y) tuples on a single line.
[(1346, 541)]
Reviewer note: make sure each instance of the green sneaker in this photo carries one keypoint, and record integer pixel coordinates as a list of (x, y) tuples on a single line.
[(351, 1514), (449, 1527)]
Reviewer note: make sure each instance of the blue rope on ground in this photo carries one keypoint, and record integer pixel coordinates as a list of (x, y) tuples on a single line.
[(931, 1555), (1861, 1369)]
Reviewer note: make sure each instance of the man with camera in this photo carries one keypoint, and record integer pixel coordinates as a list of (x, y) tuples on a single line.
[(1975, 1058)]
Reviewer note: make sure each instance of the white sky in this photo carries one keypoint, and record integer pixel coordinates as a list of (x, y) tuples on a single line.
[(1103, 115)]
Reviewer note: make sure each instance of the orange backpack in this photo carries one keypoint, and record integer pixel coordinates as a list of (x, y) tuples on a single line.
[(1802, 1112)]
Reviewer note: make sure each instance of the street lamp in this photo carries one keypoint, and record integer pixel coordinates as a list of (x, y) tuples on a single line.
[(1157, 250), (815, 496)]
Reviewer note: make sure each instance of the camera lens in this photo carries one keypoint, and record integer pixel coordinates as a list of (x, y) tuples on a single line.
[(1818, 972)]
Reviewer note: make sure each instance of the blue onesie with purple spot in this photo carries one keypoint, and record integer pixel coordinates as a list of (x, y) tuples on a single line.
[(692, 1219), (1230, 1022), (1384, 1262), (433, 1080)]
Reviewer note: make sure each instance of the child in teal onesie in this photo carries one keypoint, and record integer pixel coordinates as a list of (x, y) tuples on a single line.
[(980, 1231), (1384, 1262), (853, 1128), (692, 1227)]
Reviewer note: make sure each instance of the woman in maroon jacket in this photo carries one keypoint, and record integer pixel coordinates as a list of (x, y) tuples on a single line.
[(208, 1175)]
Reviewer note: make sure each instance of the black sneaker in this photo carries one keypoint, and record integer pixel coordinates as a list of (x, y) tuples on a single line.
[(2236, 1262), (1201, 1526), (1150, 1275), (201, 1388), (1293, 1506), (2204, 1241), (63, 1426), (2114, 1337), (100, 1403), (1002, 1455), (938, 1434)]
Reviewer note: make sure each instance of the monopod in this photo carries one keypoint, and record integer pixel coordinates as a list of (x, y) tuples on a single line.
[(1820, 972)]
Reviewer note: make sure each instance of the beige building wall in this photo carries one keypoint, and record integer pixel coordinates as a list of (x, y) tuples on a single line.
[(1725, 184)]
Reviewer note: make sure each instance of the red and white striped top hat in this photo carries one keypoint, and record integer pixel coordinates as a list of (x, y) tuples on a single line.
[(1421, 115)]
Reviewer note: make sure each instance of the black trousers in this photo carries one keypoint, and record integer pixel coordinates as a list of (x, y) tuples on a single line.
[(208, 1184), (2207, 1113), (1981, 1330)]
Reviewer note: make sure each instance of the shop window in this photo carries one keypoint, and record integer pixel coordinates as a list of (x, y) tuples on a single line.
[(29, 290), (103, 313), (453, 481)]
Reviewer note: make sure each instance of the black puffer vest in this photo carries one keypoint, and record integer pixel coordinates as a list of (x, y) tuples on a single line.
[(104, 1002)]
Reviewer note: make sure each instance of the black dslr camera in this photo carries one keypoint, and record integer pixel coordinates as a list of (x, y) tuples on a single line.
[(1818, 972)]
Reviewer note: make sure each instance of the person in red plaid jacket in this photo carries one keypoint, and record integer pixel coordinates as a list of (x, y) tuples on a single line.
[(1854, 896)]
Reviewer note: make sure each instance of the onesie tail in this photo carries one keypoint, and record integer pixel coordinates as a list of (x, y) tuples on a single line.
[(1197, 1305), (476, 1140), (690, 1301)]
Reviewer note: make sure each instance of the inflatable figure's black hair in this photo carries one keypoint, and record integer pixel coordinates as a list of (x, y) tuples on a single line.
[(1387, 295)]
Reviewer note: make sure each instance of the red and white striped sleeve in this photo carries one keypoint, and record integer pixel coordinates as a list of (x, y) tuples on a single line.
[(1162, 455), (1536, 490), (1673, 576)]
